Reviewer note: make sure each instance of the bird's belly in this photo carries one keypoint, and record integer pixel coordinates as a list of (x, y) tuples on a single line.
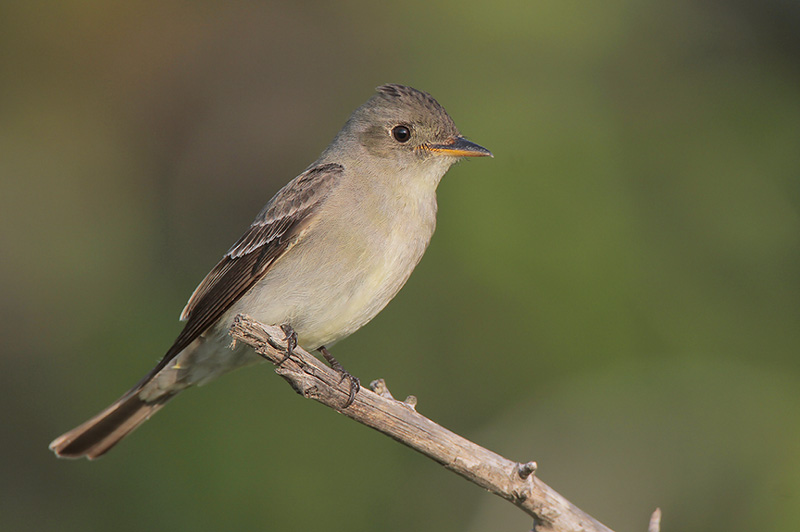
[(328, 292)]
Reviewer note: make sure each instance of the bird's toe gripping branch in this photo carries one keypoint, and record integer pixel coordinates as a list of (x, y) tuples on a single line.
[(355, 384), (291, 342)]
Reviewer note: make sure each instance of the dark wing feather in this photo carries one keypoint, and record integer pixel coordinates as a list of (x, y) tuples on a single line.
[(274, 230)]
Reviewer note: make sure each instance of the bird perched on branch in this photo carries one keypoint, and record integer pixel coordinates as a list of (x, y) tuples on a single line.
[(321, 259)]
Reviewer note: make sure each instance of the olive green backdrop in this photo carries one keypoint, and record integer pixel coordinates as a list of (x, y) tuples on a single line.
[(615, 295)]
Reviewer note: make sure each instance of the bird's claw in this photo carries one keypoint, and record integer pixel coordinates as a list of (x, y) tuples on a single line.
[(355, 384), (291, 342)]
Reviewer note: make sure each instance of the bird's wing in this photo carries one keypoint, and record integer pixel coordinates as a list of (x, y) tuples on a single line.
[(277, 227)]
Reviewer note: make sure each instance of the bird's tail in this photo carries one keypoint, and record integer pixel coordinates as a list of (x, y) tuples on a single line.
[(95, 437)]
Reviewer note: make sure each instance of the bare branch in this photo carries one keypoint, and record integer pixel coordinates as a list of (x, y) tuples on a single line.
[(511, 480), (655, 521)]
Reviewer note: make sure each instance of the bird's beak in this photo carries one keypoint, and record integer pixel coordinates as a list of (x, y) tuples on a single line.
[(459, 147)]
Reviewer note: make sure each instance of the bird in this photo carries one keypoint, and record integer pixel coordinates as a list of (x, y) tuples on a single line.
[(321, 259)]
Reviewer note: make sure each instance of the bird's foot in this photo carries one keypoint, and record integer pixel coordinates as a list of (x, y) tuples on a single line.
[(355, 384), (291, 342)]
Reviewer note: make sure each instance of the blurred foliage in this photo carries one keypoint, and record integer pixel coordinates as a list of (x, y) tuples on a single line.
[(615, 295)]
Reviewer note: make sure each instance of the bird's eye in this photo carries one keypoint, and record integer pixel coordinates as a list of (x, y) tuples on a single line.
[(401, 133)]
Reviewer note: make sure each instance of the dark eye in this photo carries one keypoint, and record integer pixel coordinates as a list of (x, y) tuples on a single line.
[(401, 133)]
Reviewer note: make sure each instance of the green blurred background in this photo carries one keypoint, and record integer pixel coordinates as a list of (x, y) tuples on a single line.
[(616, 295)]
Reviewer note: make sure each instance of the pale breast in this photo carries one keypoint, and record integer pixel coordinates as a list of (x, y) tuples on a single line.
[(345, 269)]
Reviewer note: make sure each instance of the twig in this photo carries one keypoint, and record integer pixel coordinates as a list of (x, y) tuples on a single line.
[(655, 521), (511, 480)]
